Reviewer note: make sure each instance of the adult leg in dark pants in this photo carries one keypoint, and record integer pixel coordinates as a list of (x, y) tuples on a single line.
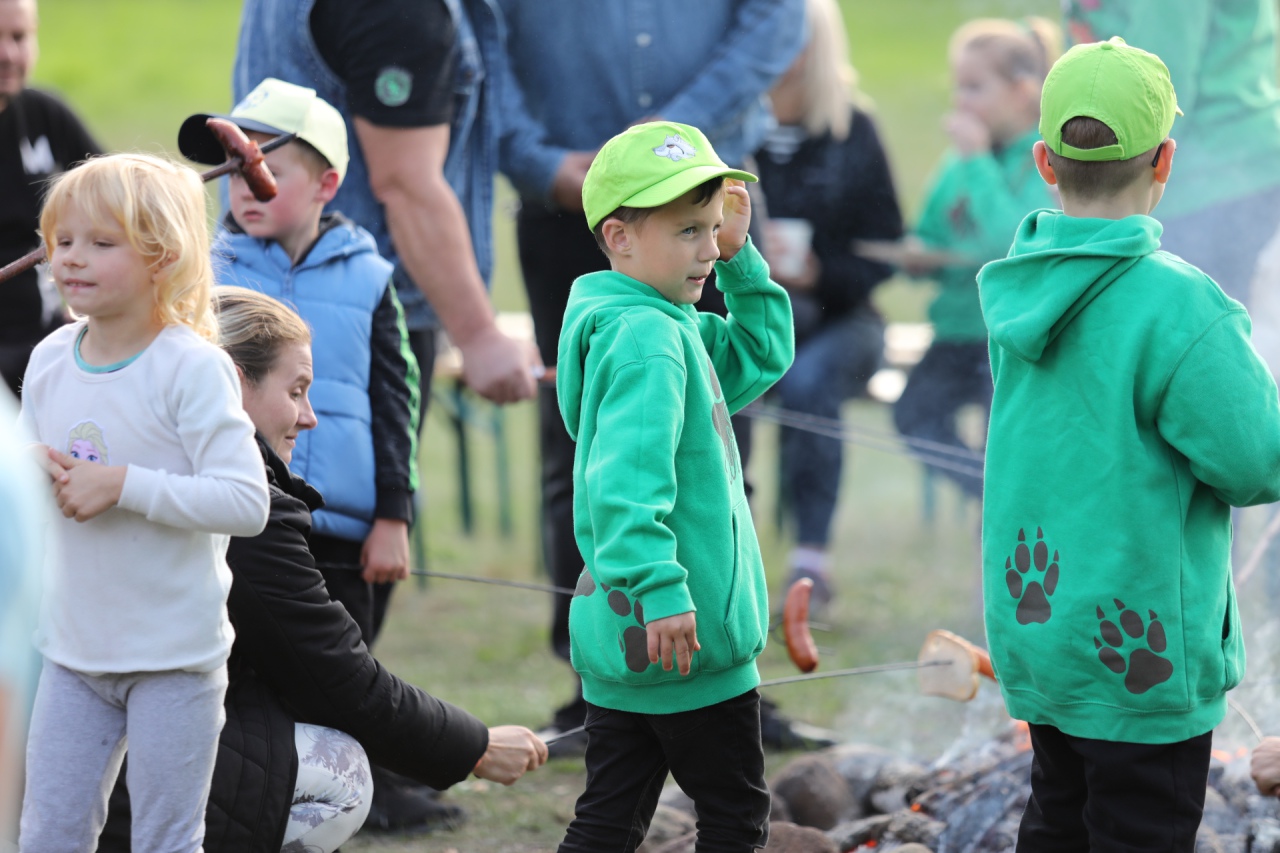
[(950, 375), (1104, 796), (715, 756)]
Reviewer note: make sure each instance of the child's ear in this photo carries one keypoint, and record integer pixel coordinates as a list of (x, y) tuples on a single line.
[(616, 237), (1164, 160), (329, 183), (1040, 152)]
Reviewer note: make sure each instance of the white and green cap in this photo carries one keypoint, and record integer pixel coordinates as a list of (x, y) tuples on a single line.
[(274, 107), (649, 165)]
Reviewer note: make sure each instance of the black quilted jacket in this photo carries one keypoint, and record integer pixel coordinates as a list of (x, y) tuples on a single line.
[(298, 657)]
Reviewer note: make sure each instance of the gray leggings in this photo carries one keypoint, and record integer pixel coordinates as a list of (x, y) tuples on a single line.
[(80, 727)]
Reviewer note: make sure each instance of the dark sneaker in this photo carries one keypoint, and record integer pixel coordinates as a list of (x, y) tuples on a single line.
[(823, 590), (781, 733), (403, 806)]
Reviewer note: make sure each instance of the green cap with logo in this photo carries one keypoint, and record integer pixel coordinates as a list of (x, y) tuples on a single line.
[(649, 165), (1124, 87), (274, 107)]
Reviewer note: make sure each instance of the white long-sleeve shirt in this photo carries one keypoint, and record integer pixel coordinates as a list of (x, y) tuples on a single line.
[(143, 586)]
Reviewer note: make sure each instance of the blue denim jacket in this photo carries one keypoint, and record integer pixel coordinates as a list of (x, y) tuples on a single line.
[(587, 69), (275, 41)]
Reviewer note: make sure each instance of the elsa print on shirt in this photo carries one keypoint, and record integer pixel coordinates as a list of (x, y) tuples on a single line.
[(86, 441)]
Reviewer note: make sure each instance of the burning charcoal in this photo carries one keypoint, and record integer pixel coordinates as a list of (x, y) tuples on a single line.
[(1219, 816), (913, 827), (860, 764), (1264, 836), (849, 835), (814, 793), (970, 826), (1208, 841), (789, 838), (896, 783), (667, 824)]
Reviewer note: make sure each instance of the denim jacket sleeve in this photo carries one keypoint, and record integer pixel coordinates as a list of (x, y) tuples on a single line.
[(766, 37), (524, 155)]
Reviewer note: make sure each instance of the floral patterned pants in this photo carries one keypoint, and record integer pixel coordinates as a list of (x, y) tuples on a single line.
[(333, 791)]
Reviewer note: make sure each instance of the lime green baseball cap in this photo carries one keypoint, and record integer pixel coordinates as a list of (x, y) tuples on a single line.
[(274, 107), (1124, 87), (649, 165)]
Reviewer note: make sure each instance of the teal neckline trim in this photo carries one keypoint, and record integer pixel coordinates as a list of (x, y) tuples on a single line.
[(106, 368)]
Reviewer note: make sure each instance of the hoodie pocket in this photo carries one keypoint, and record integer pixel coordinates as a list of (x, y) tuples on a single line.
[(1232, 641), (746, 617)]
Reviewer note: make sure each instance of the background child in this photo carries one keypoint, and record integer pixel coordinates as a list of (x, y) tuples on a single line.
[(134, 628), (363, 454), (983, 188), (823, 167), (1130, 412), (646, 386)]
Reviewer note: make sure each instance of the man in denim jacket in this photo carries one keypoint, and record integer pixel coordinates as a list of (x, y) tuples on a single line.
[(419, 85), (587, 70)]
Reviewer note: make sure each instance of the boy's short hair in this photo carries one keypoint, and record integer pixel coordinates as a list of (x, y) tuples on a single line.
[(1088, 180), (649, 165), (706, 191), (1104, 107), (275, 107)]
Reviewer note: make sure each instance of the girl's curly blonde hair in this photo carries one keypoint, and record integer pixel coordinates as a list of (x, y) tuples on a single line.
[(160, 206)]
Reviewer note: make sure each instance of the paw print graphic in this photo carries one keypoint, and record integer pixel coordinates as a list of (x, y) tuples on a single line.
[(1145, 668), (1032, 590), (634, 642)]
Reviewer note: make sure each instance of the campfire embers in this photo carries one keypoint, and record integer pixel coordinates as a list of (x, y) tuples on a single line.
[(866, 798)]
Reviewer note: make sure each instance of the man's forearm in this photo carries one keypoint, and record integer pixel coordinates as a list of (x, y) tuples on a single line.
[(431, 237)]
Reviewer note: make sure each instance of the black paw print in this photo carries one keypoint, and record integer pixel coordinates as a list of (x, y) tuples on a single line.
[(1032, 591), (634, 642), (1145, 667)]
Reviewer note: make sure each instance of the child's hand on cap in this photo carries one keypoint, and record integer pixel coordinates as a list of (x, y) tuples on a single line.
[(737, 218)]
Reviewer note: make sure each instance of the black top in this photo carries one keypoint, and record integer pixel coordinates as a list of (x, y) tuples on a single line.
[(298, 657), (39, 137), (845, 189), (395, 56)]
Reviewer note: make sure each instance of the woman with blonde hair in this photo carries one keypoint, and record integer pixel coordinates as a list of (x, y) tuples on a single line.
[(827, 183)]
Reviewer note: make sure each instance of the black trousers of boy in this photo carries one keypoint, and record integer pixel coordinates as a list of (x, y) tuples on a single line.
[(949, 376), (1100, 796), (555, 248), (714, 753)]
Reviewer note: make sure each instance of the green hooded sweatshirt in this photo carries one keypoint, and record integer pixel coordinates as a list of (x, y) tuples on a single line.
[(1130, 413), (646, 388), (972, 208), (1222, 61)]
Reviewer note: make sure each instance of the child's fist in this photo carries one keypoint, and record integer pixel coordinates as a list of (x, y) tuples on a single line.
[(732, 235)]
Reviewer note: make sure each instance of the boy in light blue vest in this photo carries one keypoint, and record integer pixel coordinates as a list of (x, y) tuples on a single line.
[(362, 456)]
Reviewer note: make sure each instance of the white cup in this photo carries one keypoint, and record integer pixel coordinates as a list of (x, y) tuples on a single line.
[(788, 242)]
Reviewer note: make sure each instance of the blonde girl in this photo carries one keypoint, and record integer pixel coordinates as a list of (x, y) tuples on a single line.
[(986, 184), (134, 629)]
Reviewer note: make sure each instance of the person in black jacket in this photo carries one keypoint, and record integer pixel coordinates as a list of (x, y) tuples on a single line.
[(304, 692), (826, 183)]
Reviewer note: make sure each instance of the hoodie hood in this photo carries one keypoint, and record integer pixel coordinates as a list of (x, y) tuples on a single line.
[(1058, 265), (596, 301)]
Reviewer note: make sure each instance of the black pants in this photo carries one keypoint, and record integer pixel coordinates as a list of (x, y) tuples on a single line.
[(949, 376), (714, 753), (556, 248), (1098, 796), (339, 561)]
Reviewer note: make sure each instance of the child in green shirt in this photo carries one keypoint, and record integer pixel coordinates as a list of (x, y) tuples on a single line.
[(983, 188), (1130, 413), (646, 385)]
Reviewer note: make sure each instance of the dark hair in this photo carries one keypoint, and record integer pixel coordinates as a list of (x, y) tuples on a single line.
[(1086, 179), (706, 191)]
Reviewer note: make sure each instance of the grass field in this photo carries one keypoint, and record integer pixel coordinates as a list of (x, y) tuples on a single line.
[(135, 68)]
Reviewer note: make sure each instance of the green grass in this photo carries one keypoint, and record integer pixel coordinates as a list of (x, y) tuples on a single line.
[(135, 68)]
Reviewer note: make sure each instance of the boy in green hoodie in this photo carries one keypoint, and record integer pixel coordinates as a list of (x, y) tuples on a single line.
[(1130, 413), (646, 386)]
